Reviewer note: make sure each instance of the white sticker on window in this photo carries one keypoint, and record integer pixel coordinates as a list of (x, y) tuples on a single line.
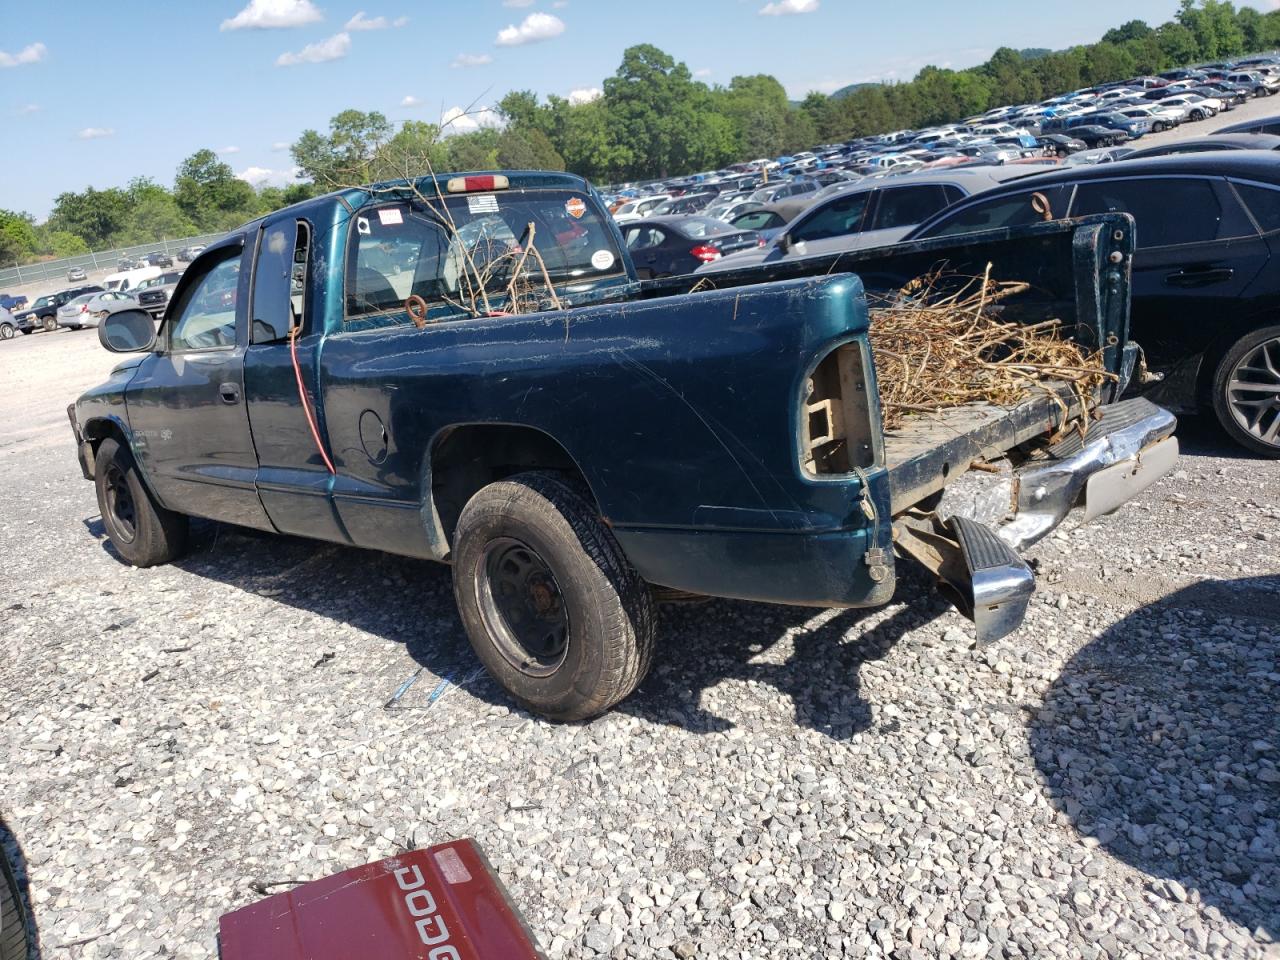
[(482, 203), (390, 215), (602, 259), (362, 226)]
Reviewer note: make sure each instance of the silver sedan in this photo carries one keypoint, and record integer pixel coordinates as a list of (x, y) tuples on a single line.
[(88, 308)]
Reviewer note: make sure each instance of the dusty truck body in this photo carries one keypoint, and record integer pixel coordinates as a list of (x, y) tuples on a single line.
[(327, 372)]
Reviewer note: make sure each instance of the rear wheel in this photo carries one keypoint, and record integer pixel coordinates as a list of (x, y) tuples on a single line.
[(143, 532), (6, 331), (1246, 392), (549, 602)]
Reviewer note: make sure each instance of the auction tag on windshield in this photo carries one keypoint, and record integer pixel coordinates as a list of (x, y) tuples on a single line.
[(482, 203), (390, 215), (575, 207)]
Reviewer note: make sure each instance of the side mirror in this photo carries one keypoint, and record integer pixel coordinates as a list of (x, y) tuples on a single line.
[(127, 331), (784, 242)]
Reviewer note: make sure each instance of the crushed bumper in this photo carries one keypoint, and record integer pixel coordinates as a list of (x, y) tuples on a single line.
[(971, 541), (84, 449)]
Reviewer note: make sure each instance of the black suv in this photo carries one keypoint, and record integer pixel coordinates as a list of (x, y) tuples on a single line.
[(158, 258), (1206, 288), (44, 312)]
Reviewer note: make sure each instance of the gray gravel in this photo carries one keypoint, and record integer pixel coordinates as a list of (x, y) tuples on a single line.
[(787, 783)]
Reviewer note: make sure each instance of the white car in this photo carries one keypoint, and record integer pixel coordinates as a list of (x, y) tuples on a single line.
[(638, 208), (1198, 107), (88, 308)]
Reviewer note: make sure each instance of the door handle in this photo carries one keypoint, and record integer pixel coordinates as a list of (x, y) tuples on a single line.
[(1199, 277), (229, 392)]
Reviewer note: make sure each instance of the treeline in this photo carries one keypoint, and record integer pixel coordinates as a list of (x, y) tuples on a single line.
[(652, 120)]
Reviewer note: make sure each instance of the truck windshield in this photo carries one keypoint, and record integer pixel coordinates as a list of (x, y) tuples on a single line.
[(408, 248)]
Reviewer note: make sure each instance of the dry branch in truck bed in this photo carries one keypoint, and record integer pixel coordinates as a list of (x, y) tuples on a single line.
[(938, 346)]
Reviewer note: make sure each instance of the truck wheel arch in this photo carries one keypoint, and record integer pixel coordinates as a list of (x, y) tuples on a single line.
[(463, 458)]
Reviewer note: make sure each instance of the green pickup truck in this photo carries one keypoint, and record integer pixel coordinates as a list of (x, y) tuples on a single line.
[(331, 371)]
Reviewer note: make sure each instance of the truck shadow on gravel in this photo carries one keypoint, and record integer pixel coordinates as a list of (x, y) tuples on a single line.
[(16, 865), (1161, 739), (699, 644)]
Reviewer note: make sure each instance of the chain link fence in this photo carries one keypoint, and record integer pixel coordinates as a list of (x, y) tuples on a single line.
[(93, 262)]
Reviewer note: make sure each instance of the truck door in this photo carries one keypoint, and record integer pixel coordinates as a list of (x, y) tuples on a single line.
[(293, 479), (186, 403)]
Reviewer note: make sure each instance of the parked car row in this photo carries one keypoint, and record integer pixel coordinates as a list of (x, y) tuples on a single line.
[(86, 305)]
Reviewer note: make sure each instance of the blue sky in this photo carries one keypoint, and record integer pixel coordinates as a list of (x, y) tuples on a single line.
[(93, 93)]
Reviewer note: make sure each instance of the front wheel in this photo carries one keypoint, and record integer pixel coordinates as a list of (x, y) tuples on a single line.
[(50, 324), (552, 607), (1246, 392), (1157, 128), (6, 331), (143, 532)]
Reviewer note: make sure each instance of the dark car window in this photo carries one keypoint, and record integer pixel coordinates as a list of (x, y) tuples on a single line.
[(1009, 210), (1263, 203), (758, 220), (1168, 210), (837, 218), (699, 227), (644, 238), (207, 316), (278, 280), (907, 206)]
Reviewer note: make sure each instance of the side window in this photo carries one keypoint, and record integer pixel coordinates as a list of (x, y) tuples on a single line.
[(1010, 210), (907, 206), (1263, 203), (838, 218), (1168, 210), (206, 319), (952, 193), (396, 253), (642, 238), (279, 280)]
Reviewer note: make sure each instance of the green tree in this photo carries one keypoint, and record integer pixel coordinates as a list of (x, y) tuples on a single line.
[(210, 195), (63, 244), (527, 148), (18, 238), (93, 215), (348, 154)]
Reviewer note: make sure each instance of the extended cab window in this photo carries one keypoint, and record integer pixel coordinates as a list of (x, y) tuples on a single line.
[(1168, 210), (279, 280), (1263, 203), (838, 218), (412, 248), (207, 317)]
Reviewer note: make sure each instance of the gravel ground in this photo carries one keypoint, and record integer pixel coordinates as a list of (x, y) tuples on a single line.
[(786, 784)]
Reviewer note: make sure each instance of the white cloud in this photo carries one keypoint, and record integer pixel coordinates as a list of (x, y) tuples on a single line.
[(517, 3), (702, 72), (399, 22), (534, 27), (95, 133), (335, 48), (28, 108), (267, 177), (31, 53), (585, 94), (455, 120), (471, 60), (271, 14), (782, 7), (361, 22), (561, 4), (280, 145), (410, 101), (227, 150)]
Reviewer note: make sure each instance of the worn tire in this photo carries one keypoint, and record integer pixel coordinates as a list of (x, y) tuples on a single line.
[(50, 324), (1222, 406), (15, 928), (6, 331), (610, 629), (156, 535)]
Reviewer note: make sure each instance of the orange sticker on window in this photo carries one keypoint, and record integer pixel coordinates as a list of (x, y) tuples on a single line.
[(575, 207)]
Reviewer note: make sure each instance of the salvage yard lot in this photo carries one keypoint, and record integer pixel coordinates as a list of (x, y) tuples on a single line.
[(787, 783)]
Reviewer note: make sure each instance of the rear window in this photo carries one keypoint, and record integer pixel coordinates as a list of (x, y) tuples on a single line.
[(698, 227), (1169, 211), (397, 250), (758, 220), (1263, 203)]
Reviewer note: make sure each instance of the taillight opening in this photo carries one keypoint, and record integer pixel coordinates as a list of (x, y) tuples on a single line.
[(705, 253), (837, 420)]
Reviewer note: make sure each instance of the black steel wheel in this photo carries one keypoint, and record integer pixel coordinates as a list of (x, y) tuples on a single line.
[(143, 532), (1246, 395), (549, 602)]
